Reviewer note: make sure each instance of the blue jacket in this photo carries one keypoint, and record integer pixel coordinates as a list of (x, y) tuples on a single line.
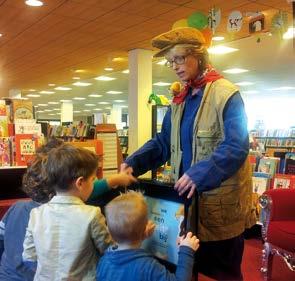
[(211, 172), (138, 265)]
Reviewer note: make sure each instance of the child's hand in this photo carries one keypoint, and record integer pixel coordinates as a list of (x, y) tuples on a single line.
[(190, 241), (121, 179), (149, 229), (124, 168)]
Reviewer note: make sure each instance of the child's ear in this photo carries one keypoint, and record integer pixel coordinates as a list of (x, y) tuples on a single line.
[(79, 183)]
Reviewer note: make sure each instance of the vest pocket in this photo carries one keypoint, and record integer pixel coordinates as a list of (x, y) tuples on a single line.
[(231, 207), (206, 143), (210, 211)]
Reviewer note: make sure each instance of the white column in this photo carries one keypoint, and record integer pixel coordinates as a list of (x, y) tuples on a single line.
[(66, 112), (140, 87), (99, 118), (15, 93), (116, 116)]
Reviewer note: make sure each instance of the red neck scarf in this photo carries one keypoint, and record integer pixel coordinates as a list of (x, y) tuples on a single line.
[(209, 75)]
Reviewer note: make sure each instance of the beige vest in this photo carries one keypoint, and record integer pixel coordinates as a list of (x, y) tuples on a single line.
[(224, 211)]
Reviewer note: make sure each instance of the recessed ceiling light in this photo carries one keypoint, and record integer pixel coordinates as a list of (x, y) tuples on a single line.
[(103, 102), (108, 69), (34, 3), (80, 70), (290, 33), (119, 101), (24, 98), (104, 78), (97, 108), (124, 106), (82, 84), (52, 114), (33, 95), (86, 110), (51, 84), (89, 104), (76, 111), (47, 92), (126, 71), (76, 78), (63, 88), (235, 70), (48, 110), (32, 90), (65, 101), (244, 83), (56, 109), (1, 34), (58, 113), (108, 107), (118, 59), (42, 104), (221, 50), (217, 38), (78, 98), (114, 92), (161, 84), (53, 102), (162, 62), (39, 111), (95, 96)]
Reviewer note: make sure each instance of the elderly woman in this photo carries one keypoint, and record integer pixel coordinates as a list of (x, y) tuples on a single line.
[(204, 134)]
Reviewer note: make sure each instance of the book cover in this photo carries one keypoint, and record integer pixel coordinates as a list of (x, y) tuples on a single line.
[(25, 148), (22, 109), (290, 163), (260, 182), (5, 152), (268, 165), (284, 181)]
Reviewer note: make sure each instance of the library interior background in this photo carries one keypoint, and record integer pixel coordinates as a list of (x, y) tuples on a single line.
[(83, 71)]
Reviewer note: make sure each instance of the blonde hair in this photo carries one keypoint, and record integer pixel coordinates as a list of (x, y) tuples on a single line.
[(126, 217)]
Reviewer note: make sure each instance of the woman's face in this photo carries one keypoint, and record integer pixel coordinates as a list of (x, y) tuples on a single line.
[(185, 66)]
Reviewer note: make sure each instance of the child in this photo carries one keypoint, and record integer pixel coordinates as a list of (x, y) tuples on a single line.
[(62, 234), (14, 223), (128, 224)]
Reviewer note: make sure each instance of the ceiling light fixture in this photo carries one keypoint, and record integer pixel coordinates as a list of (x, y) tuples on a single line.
[(103, 102), (119, 59), (76, 78), (97, 108), (221, 50), (95, 96), (33, 95), (63, 88), (119, 101), (114, 92), (65, 101), (34, 3), (245, 83), (82, 84), (104, 78), (42, 104), (51, 85), (78, 98), (218, 38), (53, 102), (108, 69), (162, 84), (76, 111), (126, 71), (235, 70), (32, 90), (80, 70), (1, 34), (285, 88), (89, 104), (47, 92)]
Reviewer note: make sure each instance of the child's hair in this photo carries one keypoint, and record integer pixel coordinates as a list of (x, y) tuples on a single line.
[(34, 180), (126, 217), (67, 163)]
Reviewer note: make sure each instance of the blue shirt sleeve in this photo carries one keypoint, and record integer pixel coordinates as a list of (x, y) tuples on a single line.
[(230, 154), (155, 152)]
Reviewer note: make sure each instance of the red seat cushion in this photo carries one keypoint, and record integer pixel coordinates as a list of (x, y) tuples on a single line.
[(5, 205), (282, 234)]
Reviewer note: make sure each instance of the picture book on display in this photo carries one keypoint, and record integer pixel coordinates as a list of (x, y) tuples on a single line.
[(260, 182), (25, 148), (5, 152), (3, 120), (284, 181), (22, 109), (290, 163), (269, 165)]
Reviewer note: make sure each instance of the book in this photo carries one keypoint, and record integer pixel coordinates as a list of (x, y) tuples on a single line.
[(269, 165), (5, 152), (284, 181), (22, 109), (260, 182), (25, 148), (290, 163)]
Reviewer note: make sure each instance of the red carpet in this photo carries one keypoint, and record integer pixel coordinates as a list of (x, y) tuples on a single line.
[(252, 263)]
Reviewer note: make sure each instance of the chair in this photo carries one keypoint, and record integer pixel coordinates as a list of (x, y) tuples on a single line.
[(278, 229)]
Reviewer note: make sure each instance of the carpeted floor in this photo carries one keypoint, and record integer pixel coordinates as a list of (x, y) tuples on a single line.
[(252, 263)]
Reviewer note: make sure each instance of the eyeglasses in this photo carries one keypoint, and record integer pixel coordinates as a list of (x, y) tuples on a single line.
[(177, 60)]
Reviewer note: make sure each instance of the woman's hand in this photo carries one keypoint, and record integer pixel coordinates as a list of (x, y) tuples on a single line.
[(184, 184)]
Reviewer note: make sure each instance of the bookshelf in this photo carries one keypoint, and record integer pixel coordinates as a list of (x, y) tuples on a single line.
[(287, 143)]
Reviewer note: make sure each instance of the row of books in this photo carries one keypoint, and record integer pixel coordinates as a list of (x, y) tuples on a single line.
[(274, 133), (74, 130)]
